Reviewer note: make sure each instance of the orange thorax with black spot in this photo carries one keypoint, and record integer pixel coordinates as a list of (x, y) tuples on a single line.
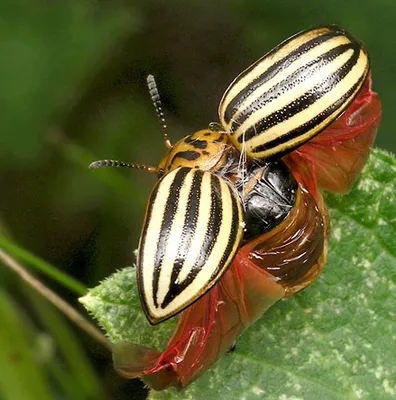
[(206, 150)]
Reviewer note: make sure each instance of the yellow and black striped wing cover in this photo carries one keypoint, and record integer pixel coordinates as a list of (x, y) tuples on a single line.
[(192, 230), (293, 92)]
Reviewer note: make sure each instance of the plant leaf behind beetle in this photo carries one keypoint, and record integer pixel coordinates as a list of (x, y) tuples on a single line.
[(334, 340)]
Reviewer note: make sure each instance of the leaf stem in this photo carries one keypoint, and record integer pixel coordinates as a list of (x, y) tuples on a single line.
[(42, 266), (52, 297)]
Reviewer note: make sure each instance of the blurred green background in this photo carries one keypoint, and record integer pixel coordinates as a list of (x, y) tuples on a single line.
[(72, 90)]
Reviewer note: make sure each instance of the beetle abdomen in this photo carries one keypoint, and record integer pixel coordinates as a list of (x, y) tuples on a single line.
[(295, 251), (192, 230), (269, 194), (293, 92)]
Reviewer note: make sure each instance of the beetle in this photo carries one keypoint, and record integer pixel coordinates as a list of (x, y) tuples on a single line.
[(193, 223), (293, 92), (281, 101), (192, 230), (263, 157)]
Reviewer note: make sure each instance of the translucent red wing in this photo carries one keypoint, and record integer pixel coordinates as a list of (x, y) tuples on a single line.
[(205, 331), (337, 155), (295, 253)]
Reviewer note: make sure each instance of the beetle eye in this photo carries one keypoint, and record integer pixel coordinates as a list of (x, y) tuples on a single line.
[(270, 195)]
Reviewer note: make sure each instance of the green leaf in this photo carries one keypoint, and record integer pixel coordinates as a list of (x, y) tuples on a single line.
[(115, 304), (335, 340)]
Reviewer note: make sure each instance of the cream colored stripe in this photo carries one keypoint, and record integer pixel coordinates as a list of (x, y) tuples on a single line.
[(241, 226), (201, 228), (188, 295), (305, 115), (303, 60), (231, 193), (224, 235), (261, 66), (152, 236), (175, 238), (203, 278), (345, 85)]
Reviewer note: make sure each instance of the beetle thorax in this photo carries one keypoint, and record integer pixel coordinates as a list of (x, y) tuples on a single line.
[(206, 150)]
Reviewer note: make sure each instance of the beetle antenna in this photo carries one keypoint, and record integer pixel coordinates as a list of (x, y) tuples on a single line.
[(155, 98), (115, 163)]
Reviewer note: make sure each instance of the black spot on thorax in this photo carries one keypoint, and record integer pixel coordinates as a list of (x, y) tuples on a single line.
[(198, 144), (187, 155)]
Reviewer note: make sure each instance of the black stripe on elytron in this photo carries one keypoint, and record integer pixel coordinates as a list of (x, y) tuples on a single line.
[(234, 231), (187, 155), (274, 69), (212, 231), (189, 228), (303, 102), (291, 81), (196, 143), (172, 202), (309, 125)]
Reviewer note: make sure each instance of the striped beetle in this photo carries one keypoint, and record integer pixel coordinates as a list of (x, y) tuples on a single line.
[(293, 92), (192, 230), (195, 215), (194, 220)]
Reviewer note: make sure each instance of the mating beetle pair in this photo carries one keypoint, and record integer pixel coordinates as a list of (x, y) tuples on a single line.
[(235, 205), (194, 220)]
